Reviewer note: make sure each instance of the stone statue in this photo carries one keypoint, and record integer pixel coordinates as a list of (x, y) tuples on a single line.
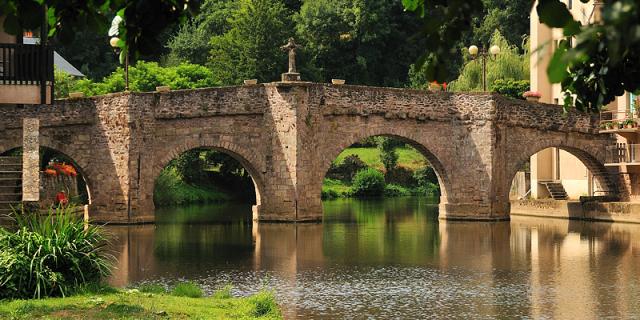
[(291, 46)]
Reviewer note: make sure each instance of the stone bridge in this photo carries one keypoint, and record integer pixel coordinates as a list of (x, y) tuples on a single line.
[(286, 134)]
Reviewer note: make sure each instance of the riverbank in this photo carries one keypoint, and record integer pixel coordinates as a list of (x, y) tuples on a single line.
[(171, 190), (135, 304)]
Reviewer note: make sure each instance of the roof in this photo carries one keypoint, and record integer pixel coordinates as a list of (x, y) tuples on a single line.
[(60, 62)]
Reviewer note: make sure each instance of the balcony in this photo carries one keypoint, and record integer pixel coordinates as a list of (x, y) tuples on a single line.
[(623, 154), (26, 74), (625, 124)]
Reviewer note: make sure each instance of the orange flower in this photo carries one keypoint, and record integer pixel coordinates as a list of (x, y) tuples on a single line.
[(51, 172)]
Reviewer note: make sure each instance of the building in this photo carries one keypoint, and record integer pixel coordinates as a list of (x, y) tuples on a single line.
[(26, 71), (554, 166)]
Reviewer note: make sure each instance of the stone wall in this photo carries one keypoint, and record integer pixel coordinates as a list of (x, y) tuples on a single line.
[(287, 134)]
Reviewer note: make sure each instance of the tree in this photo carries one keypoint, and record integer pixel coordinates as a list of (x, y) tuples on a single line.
[(144, 20), (364, 42), (506, 65), (509, 17), (388, 155), (601, 65), (251, 47), (191, 42)]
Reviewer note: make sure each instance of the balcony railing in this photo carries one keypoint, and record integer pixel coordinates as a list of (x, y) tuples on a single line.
[(623, 153), (614, 121), (24, 64)]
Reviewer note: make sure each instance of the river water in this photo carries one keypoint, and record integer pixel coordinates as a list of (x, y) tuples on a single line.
[(393, 259)]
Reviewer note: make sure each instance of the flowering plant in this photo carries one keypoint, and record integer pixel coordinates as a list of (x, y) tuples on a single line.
[(533, 94), (64, 169)]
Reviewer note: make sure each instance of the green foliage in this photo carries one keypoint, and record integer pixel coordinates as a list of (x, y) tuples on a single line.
[(187, 289), (394, 190), (427, 181), (51, 255), (144, 22), (509, 64), (265, 304), (170, 189), (250, 48), (511, 88), (368, 183), (388, 155), (364, 42), (191, 43), (145, 77), (152, 288), (64, 83), (346, 169), (224, 292), (509, 17)]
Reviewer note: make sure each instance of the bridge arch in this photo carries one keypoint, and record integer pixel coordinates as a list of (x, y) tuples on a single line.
[(589, 153), (79, 163), (420, 143), (247, 159)]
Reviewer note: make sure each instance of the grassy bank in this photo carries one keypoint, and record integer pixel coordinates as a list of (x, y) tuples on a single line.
[(171, 190), (409, 158), (138, 304)]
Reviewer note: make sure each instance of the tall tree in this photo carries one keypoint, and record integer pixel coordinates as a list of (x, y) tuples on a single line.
[(251, 46), (364, 42)]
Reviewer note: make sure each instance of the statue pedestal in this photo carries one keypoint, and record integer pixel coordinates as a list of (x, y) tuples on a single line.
[(290, 76)]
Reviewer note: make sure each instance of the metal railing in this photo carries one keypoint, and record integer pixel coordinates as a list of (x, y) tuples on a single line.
[(623, 153), (611, 120), (26, 64)]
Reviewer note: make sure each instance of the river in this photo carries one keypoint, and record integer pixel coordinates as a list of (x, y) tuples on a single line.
[(392, 258)]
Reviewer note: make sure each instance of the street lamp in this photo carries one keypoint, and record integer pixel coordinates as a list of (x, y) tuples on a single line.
[(482, 54), (114, 44)]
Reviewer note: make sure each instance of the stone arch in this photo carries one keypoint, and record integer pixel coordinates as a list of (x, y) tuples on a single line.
[(332, 152), (80, 163), (590, 154), (248, 160)]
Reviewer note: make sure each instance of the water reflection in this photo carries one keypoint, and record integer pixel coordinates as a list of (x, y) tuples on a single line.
[(394, 258)]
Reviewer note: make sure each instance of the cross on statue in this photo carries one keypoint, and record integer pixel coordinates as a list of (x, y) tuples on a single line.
[(291, 46)]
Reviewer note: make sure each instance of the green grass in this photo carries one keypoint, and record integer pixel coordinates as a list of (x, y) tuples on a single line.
[(408, 157), (134, 304), (187, 289), (171, 190)]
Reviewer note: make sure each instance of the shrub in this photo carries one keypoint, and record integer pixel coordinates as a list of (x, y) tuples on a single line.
[(224, 292), (264, 304), (152, 288), (400, 176), (347, 169), (393, 190), (368, 183), (187, 289), (328, 194), (511, 88), (53, 255)]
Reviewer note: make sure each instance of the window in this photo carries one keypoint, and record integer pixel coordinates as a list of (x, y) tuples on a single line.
[(556, 101), (569, 4)]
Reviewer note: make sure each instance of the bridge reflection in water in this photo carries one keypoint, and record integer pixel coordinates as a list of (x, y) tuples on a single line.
[(394, 258)]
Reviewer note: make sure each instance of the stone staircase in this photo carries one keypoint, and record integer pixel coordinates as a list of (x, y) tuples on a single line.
[(556, 190), (10, 184)]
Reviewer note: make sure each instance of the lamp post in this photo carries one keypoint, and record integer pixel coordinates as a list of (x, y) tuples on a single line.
[(114, 44), (484, 55)]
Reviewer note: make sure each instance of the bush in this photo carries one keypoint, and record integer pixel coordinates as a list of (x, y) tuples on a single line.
[(224, 292), (393, 190), (328, 194), (187, 289), (54, 255), (368, 183), (388, 155), (510, 88), (143, 76), (347, 169), (401, 176), (152, 288), (264, 304)]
